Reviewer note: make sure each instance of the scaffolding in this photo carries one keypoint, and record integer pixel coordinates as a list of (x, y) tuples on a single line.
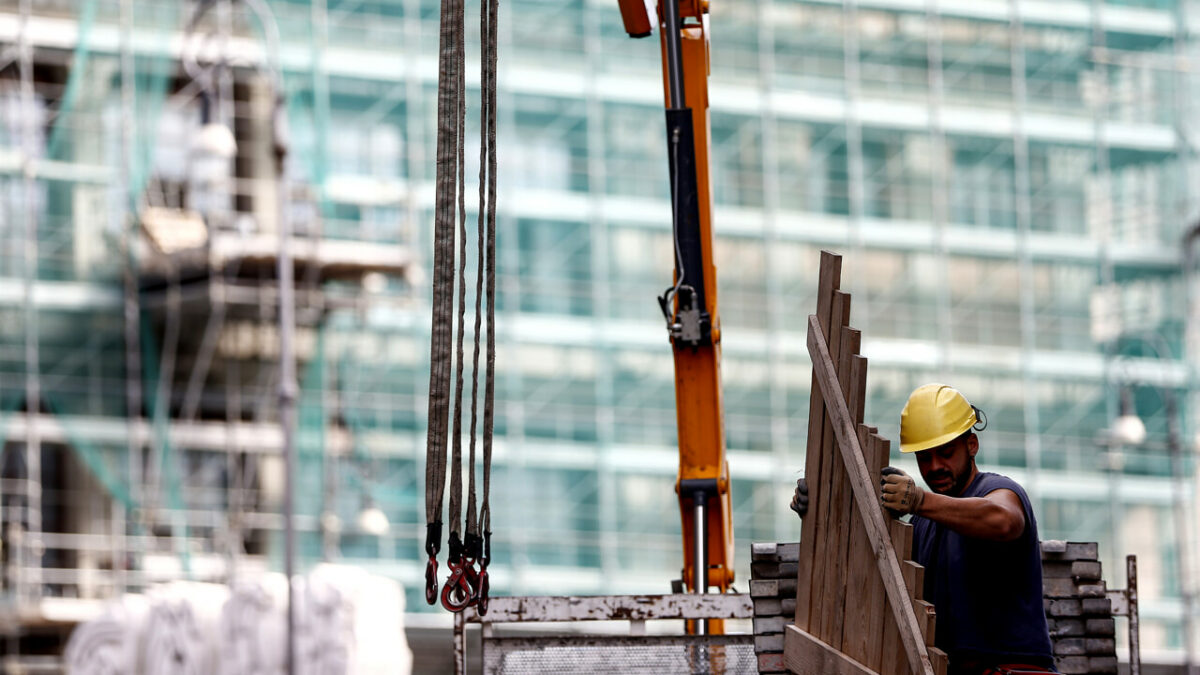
[(145, 219), (1010, 185)]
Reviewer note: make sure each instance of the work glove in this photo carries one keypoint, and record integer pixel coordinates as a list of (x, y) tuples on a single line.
[(900, 493), (800, 498)]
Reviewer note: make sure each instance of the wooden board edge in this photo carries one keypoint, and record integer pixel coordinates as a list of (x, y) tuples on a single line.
[(940, 661), (876, 596), (825, 498), (806, 655), (829, 280), (864, 495)]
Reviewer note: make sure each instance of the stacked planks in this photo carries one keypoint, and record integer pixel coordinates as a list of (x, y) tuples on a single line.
[(854, 560), (1079, 613), (773, 591)]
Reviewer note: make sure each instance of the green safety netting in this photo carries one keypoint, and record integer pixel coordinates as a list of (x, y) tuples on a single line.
[(75, 77), (92, 455), (153, 27), (153, 71), (158, 403)]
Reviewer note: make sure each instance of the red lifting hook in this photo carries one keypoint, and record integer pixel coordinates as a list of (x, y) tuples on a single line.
[(431, 582), (482, 591), (459, 591)]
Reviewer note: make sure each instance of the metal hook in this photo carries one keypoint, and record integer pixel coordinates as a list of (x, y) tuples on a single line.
[(481, 597), (459, 591), (431, 582)]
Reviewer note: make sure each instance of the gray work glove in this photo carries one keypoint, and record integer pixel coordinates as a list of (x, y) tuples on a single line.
[(800, 498), (899, 492)]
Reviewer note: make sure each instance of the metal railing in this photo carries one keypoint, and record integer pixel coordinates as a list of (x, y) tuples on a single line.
[(502, 651)]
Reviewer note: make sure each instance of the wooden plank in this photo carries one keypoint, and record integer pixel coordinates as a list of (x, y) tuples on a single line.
[(806, 654), (864, 497), (896, 656), (891, 651), (902, 534), (914, 579), (876, 596), (930, 620), (838, 543), (861, 613), (925, 618), (853, 376), (914, 584), (892, 656), (829, 279), (940, 661), (923, 609), (873, 594), (775, 552), (820, 586)]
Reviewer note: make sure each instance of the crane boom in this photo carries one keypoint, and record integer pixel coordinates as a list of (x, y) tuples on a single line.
[(690, 305)]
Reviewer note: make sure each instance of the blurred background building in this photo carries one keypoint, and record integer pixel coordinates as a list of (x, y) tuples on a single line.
[(1011, 184)]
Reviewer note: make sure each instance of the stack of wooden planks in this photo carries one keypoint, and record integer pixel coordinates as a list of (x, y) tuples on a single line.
[(858, 595), (773, 591), (1079, 612)]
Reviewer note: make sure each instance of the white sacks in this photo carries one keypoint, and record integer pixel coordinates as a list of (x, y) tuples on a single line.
[(109, 644), (180, 633), (348, 622), (325, 642), (372, 609), (253, 626)]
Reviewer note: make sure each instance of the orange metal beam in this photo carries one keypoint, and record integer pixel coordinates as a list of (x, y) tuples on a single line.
[(698, 403)]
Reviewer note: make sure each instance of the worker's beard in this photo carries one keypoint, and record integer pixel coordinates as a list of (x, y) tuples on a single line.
[(958, 483)]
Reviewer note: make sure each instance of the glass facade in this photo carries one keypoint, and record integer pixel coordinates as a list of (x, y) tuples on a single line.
[(1009, 183)]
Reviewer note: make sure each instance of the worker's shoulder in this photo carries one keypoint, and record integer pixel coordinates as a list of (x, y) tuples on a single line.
[(988, 482)]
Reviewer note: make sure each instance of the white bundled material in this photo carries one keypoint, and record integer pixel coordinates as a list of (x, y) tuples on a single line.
[(376, 606), (347, 622), (181, 629), (109, 644), (379, 621), (254, 626), (324, 627)]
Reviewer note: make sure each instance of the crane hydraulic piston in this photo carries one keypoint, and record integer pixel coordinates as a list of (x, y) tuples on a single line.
[(690, 303)]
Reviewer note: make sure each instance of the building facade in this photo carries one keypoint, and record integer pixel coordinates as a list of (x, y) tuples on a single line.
[(1008, 183)]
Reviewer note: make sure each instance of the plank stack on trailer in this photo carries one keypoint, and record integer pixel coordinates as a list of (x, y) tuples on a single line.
[(1079, 613), (773, 589), (1080, 608), (858, 595)]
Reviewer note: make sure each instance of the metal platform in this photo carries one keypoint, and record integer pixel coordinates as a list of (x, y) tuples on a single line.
[(575, 648)]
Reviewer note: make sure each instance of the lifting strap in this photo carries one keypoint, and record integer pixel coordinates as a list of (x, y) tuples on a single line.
[(455, 553), (443, 290), (479, 535), (466, 586)]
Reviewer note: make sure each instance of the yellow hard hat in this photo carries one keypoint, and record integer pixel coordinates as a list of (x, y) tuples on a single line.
[(934, 415)]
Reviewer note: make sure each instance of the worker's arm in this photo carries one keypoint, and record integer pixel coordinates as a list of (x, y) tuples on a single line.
[(997, 516)]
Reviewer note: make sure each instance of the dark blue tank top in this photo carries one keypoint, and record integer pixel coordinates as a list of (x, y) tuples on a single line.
[(987, 594)]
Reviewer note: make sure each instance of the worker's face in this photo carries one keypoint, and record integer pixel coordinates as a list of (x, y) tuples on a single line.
[(947, 469)]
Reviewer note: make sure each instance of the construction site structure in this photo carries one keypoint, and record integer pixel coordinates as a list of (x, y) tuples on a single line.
[(1081, 608), (1009, 180), (859, 606)]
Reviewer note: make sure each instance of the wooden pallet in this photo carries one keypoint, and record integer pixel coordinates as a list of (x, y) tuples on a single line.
[(858, 595)]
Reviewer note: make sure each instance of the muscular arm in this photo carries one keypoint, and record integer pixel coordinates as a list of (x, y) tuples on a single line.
[(997, 516)]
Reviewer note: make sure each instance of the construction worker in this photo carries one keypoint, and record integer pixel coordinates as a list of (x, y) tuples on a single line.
[(976, 536)]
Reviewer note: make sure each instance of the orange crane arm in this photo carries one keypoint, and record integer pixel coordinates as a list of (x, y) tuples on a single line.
[(690, 305)]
